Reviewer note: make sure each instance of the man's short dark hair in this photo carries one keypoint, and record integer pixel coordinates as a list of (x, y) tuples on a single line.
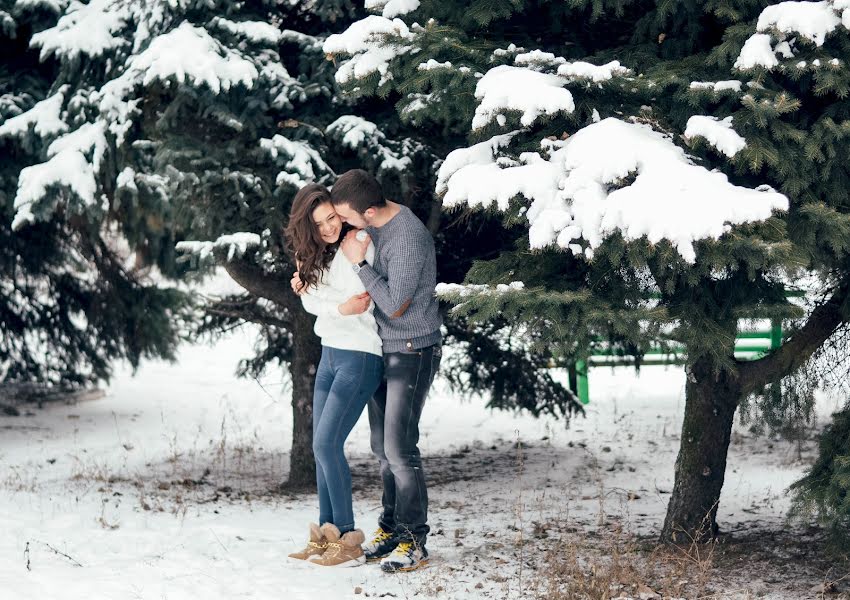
[(359, 189)]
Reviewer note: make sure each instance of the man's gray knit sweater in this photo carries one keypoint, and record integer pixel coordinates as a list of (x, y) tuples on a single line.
[(401, 282)]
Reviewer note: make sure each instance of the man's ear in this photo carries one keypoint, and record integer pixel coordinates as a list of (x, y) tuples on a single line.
[(370, 212)]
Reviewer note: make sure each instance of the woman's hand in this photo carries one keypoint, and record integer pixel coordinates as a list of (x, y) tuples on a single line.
[(355, 305), (297, 284)]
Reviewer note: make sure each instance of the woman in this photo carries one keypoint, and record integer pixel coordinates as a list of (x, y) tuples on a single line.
[(349, 372)]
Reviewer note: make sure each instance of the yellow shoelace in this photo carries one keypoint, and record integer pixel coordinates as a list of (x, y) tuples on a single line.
[(381, 535), (403, 548)]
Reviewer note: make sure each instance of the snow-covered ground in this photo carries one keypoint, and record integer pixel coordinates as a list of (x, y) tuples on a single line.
[(166, 488)]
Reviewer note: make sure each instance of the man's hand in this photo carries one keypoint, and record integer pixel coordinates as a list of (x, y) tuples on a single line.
[(355, 305), (295, 283), (354, 249)]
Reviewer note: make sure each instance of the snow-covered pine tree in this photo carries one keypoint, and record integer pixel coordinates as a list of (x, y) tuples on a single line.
[(666, 169), (159, 122), (71, 304)]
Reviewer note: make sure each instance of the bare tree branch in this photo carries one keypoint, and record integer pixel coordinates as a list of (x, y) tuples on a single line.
[(257, 281), (793, 354)]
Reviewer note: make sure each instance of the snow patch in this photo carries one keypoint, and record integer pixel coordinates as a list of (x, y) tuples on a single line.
[(812, 20), (392, 8), (479, 154), (303, 163), (513, 88), (757, 52), (368, 42), (595, 73), (433, 64), (89, 137), (126, 180), (236, 244), (68, 169), (717, 86), (467, 290), (44, 117), (364, 136), (538, 57), (258, 32), (608, 177), (719, 133), (190, 55), (84, 29)]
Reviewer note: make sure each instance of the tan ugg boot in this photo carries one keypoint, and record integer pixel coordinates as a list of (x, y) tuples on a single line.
[(315, 547), (344, 551)]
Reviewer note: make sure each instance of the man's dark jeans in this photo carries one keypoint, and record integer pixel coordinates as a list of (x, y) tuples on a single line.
[(394, 414)]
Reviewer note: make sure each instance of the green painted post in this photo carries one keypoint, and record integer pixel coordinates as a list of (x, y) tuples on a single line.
[(775, 334), (581, 381)]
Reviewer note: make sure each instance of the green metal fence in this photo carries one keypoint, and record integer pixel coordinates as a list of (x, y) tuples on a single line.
[(749, 345)]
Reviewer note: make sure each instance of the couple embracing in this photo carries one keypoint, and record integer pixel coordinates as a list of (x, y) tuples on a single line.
[(372, 291)]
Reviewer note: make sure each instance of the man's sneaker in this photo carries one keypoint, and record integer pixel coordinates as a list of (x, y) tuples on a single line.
[(408, 556), (381, 544), (316, 546), (343, 551)]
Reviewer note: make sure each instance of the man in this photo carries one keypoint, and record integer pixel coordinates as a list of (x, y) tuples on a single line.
[(401, 283)]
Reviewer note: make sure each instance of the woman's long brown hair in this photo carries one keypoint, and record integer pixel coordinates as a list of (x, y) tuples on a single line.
[(303, 240)]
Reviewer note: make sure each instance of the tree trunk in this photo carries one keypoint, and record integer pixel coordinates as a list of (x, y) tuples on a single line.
[(710, 404), (306, 352)]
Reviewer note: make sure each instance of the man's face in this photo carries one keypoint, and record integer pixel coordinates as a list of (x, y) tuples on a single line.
[(352, 217)]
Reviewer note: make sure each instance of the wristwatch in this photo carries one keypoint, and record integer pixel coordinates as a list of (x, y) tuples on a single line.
[(359, 266)]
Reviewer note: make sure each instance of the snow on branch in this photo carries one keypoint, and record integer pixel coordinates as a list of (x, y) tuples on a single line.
[(371, 43), (506, 88), (85, 29), (57, 6), (353, 131), (732, 85), (479, 154), (75, 159), (257, 32), (90, 137), (233, 245), (301, 162), (717, 132), (190, 55), (757, 52), (594, 73), (611, 176), (844, 7), (392, 8), (538, 58), (68, 169), (811, 21), (456, 290), (358, 134), (45, 118)]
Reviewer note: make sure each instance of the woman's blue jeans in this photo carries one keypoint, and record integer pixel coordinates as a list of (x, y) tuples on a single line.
[(345, 381)]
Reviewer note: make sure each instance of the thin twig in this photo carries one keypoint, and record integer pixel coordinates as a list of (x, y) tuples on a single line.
[(55, 551)]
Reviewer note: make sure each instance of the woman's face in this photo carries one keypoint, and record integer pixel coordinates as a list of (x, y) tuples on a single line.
[(327, 222)]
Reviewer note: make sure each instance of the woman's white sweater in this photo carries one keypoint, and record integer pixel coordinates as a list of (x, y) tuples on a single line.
[(344, 332)]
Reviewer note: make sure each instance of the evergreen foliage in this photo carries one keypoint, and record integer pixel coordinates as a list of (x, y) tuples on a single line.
[(198, 121), (825, 490), (71, 305)]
